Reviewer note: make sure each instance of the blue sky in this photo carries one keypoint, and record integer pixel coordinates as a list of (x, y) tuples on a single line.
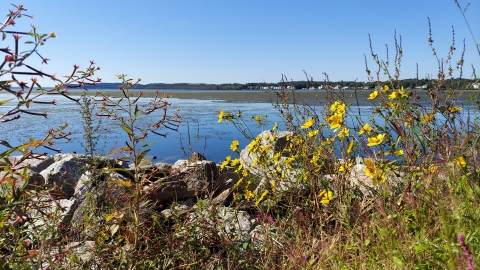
[(246, 41)]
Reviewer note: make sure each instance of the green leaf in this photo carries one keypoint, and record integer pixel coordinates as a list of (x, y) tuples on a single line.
[(142, 155), (420, 248), (477, 190), (136, 111), (5, 143), (397, 261), (128, 130)]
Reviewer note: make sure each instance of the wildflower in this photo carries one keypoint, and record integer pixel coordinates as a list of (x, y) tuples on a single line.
[(394, 95), (336, 121), (249, 195), (399, 152), (461, 161), (431, 169), (427, 117), (334, 106), (312, 133), (384, 89), (258, 119), (338, 107), (455, 109), (253, 147), (365, 129), (52, 35), (234, 162), (261, 197), (372, 171), (225, 162), (344, 132), (220, 116), (239, 168), (373, 95), (234, 145), (392, 105), (276, 157), (307, 124), (375, 140), (402, 92), (345, 167), (314, 160), (328, 141), (245, 172), (350, 147), (326, 196)]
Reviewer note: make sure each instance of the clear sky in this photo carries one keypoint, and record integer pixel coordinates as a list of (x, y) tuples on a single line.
[(215, 41)]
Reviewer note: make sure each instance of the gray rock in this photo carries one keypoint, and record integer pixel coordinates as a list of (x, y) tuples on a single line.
[(188, 180), (65, 173)]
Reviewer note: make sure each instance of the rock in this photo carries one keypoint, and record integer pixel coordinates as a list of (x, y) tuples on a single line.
[(188, 180), (236, 224), (65, 172), (276, 146), (34, 164)]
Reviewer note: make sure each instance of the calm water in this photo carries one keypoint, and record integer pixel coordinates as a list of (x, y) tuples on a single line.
[(199, 131)]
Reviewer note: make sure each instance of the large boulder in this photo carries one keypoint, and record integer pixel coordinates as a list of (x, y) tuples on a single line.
[(65, 173), (275, 141), (188, 179)]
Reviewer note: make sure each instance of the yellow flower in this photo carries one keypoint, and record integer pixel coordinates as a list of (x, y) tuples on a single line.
[(258, 118), (384, 89), (220, 116), (461, 161), (239, 168), (394, 95), (326, 196), (344, 132), (249, 195), (428, 117), (234, 162), (402, 93), (225, 162), (261, 197), (334, 106), (365, 129), (234, 145), (375, 140), (455, 109), (431, 169), (372, 171), (245, 172), (52, 35), (350, 147), (399, 152), (373, 95), (276, 157), (308, 124), (253, 147), (338, 107), (312, 133), (345, 167), (392, 105), (336, 121)]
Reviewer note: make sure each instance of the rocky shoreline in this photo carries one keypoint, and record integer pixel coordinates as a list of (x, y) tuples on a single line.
[(75, 186)]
